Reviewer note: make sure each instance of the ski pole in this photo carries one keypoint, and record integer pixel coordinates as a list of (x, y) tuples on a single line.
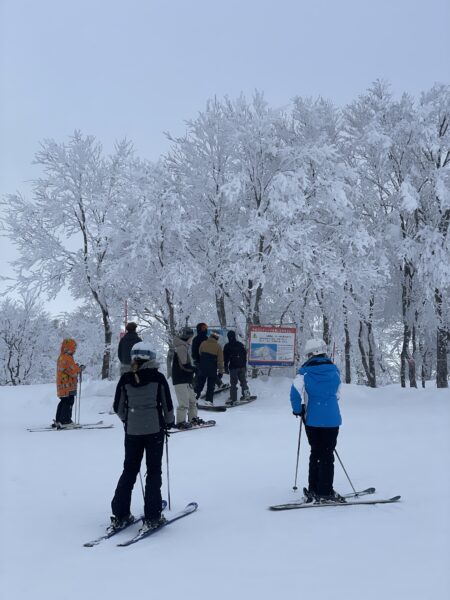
[(339, 458), (294, 487), (79, 399), (75, 406), (167, 468)]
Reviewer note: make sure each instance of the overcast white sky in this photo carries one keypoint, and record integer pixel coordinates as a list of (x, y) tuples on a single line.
[(137, 68)]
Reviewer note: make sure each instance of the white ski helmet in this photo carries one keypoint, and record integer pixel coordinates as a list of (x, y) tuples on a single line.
[(314, 347), (143, 351)]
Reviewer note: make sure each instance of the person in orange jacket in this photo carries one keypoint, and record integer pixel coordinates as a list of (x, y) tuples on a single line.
[(66, 383)]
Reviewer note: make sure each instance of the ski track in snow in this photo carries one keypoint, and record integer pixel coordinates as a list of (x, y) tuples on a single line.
[(57, 488)]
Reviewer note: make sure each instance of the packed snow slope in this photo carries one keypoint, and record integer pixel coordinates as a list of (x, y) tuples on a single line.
[(57, 487)]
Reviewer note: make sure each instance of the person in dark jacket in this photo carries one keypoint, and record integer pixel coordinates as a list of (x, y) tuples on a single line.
[(125, 345), (211, 368), (144, 405), (235, 363), (182, 377), (202, 335), (314, 398)]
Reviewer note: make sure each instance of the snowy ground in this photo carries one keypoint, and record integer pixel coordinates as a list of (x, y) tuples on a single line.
[(56, 491)]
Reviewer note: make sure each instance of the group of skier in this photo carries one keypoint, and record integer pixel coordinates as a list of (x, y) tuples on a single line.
[(200, 360), (144, 404)]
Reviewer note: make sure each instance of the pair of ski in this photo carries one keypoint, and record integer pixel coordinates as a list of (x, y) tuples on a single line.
[(188, 510), (350, 500), (97, 425)]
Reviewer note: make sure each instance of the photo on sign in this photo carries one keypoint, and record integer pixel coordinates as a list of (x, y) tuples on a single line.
[(263, 351)]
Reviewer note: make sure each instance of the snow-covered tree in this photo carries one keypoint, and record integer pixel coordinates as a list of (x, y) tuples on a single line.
[(28, 342), (430, 207), (63, 233), (200, 167)]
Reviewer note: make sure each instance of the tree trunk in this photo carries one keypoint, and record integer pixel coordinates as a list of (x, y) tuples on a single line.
[(408, 273), (220, 307), (326, 336), (171, 312), (362, 350), (367, 360), (441, 345), (441, 358), (107, 348), (404, 356), (256, 319), (412, 360), (326, 330), (425, 371), (372, 371), (347, 356), (348, 344)]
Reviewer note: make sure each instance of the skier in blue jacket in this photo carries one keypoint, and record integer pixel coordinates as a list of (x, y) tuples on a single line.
[(314, 398)]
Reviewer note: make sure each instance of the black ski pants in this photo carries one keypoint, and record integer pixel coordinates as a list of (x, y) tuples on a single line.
[(321, 461), (135, 445), (210, 381), (64, 410), (235, 376)]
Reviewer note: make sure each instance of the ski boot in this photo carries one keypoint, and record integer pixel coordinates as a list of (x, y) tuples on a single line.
[(149, 524), (333, 498), (120, 523), (308, 496)]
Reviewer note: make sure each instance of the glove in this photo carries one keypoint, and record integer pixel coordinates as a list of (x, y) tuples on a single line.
[(170, 425), (82, 367), (219, 376), (301, 412)]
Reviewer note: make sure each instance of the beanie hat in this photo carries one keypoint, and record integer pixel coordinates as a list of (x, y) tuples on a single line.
[(231, 335), (131, 326)]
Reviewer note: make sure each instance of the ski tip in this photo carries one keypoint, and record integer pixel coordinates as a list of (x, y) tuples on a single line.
[(395, 498)]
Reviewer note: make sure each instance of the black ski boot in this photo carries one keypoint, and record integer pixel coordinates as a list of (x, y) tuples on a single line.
[(308, 496)]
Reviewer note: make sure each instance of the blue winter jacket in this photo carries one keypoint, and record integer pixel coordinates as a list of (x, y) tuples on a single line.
[(316, 385)]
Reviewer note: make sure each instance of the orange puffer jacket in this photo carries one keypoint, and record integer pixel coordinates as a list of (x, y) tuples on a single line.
[(67, 369)]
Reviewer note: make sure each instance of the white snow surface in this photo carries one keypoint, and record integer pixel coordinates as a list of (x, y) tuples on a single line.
[(57, 487)]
